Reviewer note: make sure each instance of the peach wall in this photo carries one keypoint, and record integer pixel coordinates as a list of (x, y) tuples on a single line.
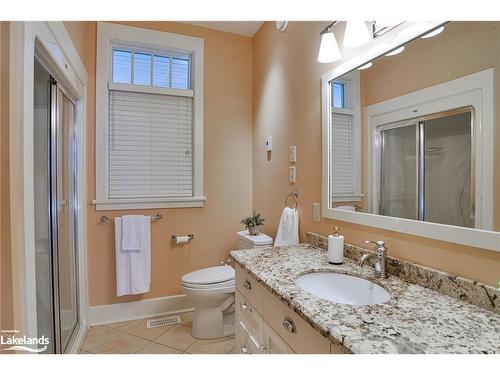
[(286, 105), (6, 308), (227, 169)]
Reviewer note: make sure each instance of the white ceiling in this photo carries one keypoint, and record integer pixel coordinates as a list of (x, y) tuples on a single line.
[(246, 28)]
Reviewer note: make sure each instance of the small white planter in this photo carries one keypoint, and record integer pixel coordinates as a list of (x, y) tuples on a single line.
[(254, 230)]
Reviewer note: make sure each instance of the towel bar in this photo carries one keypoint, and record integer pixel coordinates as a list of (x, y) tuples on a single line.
[(106, 219)]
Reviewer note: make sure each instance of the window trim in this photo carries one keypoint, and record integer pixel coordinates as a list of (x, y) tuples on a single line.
[(110, 36), (352, 107)]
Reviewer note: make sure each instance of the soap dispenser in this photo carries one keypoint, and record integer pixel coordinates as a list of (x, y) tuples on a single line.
[(336, 247)]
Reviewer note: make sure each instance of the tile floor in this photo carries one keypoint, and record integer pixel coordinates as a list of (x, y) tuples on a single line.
[(134, 337)]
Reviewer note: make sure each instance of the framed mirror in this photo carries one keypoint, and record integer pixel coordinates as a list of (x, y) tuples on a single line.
[(411, 133)]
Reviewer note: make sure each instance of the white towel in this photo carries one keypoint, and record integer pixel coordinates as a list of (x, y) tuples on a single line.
[(133, 232), (288, 230), (133, 268)]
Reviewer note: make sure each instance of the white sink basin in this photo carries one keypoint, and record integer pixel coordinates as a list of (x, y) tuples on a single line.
[(340, 288)]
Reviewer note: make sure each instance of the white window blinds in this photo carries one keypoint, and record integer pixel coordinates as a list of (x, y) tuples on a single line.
[(342, 154), (150, 143)]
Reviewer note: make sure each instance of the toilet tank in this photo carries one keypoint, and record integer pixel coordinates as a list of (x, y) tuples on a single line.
[(247, 241)]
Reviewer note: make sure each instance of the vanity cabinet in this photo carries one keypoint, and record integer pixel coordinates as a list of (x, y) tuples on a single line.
[(266, 325)]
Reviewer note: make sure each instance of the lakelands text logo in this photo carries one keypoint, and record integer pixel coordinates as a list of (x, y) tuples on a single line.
[(22, 343)]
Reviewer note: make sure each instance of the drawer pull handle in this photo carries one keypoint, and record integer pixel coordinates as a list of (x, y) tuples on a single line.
[(244, 349), (247, 285), (289, 325), (244, 307)]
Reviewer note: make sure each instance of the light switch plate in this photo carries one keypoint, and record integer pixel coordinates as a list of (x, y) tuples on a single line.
[(269, 143), (291, 174), (293, 154), (316, 212)]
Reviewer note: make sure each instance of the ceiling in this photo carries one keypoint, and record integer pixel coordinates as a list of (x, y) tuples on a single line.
[(246, 28)]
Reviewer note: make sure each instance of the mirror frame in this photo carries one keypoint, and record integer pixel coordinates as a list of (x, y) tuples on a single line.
[(398, 36)]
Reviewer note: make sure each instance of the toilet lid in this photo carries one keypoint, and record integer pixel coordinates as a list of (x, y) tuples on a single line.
[(258, 240), (211, 275)]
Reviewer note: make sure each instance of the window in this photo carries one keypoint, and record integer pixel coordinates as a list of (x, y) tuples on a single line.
[(345, 183), (338, 95), (149, 119), (150, 69)]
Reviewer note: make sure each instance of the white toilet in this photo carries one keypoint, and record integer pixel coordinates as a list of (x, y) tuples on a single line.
[(211, 291)]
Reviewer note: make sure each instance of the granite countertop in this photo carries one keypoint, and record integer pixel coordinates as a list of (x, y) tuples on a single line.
[(414, 320)]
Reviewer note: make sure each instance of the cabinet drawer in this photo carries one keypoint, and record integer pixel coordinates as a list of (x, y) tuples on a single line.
[(244, 344), (249, 288), (301, 337), (249, 321), (274, 344)]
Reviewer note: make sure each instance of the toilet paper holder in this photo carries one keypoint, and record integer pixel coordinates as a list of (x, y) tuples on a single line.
[(174, 236)]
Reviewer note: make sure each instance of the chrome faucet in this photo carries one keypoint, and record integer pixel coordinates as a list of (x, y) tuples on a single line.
[(380, 258)]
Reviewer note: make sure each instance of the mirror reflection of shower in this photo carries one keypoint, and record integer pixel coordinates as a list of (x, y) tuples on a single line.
[(426, 169)]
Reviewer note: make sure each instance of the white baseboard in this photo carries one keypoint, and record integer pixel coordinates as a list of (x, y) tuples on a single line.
[(118, 312)]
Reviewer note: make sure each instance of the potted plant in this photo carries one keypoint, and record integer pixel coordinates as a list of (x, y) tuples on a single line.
[(253, 222)]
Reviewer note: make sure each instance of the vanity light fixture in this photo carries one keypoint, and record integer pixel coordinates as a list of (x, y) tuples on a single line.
[(329, 49), (366, 66), (434, 32), (356, 34), (396, 51)]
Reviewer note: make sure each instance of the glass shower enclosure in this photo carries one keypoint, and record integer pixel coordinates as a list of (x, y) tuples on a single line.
[(55, 211), (426, 169)]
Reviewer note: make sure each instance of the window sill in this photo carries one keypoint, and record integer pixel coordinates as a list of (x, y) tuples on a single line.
[(140, 203), (348, 198)]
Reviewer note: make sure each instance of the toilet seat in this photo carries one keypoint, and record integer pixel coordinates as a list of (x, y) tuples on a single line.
[(224, 284), (209, 276)]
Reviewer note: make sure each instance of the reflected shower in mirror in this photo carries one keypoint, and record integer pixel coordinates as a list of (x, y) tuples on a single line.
[(408, 133)]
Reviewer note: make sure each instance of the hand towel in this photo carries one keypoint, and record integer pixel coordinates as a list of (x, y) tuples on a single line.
[(133, 232), (288, 230), (133, 268)]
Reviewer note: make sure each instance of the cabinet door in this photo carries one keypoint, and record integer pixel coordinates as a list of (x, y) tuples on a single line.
[(249, 288), (249, 320), (274, 344), (297, 333)]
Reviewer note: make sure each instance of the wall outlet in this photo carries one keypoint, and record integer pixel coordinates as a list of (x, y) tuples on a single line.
[(269, 143), (316, 212), (293, 154), (291, 174)]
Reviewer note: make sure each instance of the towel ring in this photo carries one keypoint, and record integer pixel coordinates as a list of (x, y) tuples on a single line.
[(295, 195)]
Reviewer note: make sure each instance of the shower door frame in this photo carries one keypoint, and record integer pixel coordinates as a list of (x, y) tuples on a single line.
[(57, 92), (419, 124), (52, 45)]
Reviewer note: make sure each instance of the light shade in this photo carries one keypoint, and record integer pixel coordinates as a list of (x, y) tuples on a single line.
[(329, 49), (396, 51), (435, 32), (366, 66), (356, 34)]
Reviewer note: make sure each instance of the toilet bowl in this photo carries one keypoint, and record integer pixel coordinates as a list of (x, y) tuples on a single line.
[(211, 291)]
